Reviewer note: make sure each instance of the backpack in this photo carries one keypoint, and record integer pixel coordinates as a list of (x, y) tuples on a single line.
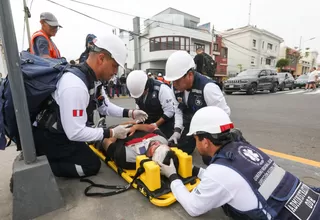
[(40, 77), (209, 65)]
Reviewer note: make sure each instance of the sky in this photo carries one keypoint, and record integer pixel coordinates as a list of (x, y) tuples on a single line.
[(289, 19)]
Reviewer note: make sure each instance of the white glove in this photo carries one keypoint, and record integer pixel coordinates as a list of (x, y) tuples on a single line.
[(120, 132), (175, 137), (154, 124), (167, 170), (138, 115)]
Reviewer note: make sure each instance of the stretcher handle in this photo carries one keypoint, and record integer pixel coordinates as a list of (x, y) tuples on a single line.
[(118, 188)]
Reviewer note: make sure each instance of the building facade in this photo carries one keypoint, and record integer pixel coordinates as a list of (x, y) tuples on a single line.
[(220, 53), (308, 59), (292, 56), (250, 47), (167, 32)]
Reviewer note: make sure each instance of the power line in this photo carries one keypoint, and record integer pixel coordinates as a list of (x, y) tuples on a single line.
[(132, 15), (239, 51), (111, 25), (133, 33), (31, 5), (124, 13)]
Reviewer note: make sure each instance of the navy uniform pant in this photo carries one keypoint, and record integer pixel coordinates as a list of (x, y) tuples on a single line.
[(66, 158)]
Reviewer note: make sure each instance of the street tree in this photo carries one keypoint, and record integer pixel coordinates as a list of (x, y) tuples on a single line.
[(282, 63)]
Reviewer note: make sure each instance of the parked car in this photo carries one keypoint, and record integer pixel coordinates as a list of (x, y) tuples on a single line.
[(286, 80), (301, 81), (251, 81)]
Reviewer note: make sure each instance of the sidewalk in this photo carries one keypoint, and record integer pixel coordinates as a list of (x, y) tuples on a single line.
[(129, 205)]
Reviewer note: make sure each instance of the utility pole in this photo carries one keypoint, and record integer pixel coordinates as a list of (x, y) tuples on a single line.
[(35, 191), (27, 15), (136, 39), (300, 43), (249, 13), (212, 42)]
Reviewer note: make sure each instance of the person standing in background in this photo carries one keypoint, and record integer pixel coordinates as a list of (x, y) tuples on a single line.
[(123, 82), (41, 43), (88, 45)]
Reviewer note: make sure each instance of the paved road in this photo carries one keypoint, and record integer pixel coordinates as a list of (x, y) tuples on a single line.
[(287, 122), (281, 122)]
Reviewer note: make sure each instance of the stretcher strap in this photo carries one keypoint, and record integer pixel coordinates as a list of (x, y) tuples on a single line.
[(118, 188)]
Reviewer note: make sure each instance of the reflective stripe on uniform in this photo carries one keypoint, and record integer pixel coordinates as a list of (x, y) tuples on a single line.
[(271, 182), (79, 170)]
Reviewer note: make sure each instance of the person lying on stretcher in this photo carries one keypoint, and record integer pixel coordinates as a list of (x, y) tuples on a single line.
[(143, 139)]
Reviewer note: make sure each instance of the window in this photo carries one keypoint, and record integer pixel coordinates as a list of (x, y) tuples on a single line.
[(183, 43), (263, 73), (163, 43), (187, 44), (176, 44), (276, 48), (268, 61), (169, 43), (197, 46), (253, 60), (254, 43), (154, 44), (269, 46), (262, 44), (269, 72), (261, 60), (224, 52), (215, 47)]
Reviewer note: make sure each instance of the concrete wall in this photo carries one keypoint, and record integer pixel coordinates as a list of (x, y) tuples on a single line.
[(238, 55), (159, 30), (242, 50)]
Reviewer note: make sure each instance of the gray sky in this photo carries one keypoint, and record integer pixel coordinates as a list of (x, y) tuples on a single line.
[(289, 19)]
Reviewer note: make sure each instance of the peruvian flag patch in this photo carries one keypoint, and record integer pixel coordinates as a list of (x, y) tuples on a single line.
[(77, 113)]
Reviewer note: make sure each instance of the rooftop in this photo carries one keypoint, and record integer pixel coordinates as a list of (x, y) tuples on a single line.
[(232, 31)]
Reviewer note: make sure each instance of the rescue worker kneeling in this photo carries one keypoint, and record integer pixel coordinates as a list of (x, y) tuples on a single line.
[(157, 100), (143, 139), (240, 178), (63, 129)]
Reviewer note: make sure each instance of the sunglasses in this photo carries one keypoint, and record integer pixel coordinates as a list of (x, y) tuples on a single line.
[(53, 27)]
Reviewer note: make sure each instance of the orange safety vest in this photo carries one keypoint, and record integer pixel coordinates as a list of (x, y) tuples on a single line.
[(53, 50), (160, 78)]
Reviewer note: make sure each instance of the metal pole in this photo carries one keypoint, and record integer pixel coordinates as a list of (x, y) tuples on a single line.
[(136, 42), (249, 13), (16, 81), (300, 43), (212, 42), (27, 15)]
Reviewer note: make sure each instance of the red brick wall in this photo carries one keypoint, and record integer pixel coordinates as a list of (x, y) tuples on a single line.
[(222, 62)]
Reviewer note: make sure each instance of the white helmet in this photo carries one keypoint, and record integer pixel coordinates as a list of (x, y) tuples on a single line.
[(149, 74), (114, 45), (136, 83), (210, 119), (159, 74), (178, 64)]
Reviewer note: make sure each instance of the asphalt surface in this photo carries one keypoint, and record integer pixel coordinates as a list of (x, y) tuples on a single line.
[(282, 122), (287, 122)]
